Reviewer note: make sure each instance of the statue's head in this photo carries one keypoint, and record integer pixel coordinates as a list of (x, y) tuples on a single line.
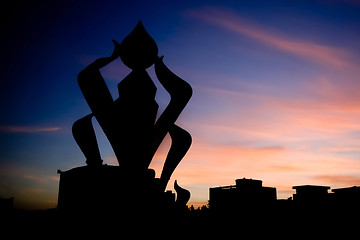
[(138, 50)]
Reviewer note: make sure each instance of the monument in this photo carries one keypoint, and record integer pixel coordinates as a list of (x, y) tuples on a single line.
[(129, 123)]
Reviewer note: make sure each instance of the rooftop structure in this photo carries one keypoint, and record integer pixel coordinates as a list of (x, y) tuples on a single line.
[(246, 192), (311, 193), (349, 194)]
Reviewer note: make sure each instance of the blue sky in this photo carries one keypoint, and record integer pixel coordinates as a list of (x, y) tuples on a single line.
[(275, 89)]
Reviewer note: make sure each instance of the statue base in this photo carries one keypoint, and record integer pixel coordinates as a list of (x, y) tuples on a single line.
[(108, 189)]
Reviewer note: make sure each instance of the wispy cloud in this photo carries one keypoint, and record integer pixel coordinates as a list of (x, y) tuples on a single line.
[(339, 179), (342, 149), (315, 52), (27, 129), (40, 178), (20, 172)]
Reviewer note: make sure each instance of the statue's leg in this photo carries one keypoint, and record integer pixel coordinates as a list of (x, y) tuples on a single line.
[(100, 101), (85, 137), (180, 93), (180, 144)]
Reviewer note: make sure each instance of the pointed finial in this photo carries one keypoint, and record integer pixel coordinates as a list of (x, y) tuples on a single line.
[(138, 50)]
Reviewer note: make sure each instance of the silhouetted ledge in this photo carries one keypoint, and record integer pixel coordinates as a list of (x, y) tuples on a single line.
[(108, 189)]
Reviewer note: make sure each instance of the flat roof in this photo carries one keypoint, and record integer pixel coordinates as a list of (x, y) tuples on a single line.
[(310, 187), (354, 188)]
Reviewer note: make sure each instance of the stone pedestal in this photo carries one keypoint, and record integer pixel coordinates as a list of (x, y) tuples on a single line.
[(107, 189)]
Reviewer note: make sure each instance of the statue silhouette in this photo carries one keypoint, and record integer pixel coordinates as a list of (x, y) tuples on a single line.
[(129, 122)]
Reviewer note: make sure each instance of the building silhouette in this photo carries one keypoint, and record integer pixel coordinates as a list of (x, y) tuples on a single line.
[(349, 194), (6, 205), (246, 195), (346, 202), (249, 198), (310, 193), (313, 193)]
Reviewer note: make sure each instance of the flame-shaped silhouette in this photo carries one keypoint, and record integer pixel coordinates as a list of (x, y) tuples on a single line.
[(138, 50), (183, 195)]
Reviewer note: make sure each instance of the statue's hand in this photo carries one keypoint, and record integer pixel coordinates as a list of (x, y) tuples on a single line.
[(116, 52)]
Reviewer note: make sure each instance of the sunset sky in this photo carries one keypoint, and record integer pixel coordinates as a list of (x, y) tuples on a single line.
[(276, 90)]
